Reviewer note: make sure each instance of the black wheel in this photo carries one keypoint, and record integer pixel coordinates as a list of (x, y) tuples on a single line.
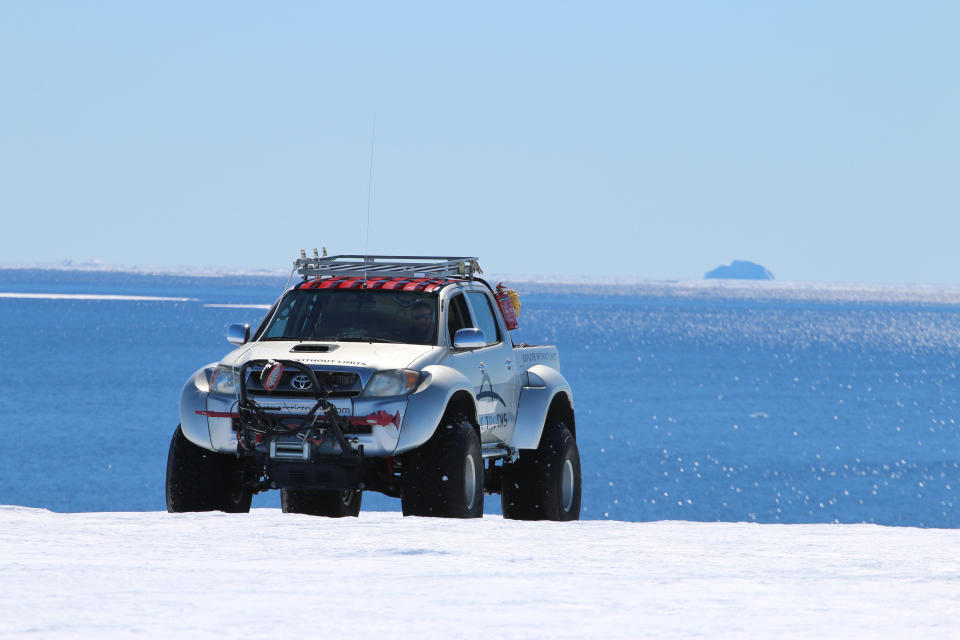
[(332, 504), (544, 484), (201, 480), (443, 478)]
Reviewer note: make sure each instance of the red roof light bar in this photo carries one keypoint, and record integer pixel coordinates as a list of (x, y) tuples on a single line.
[(426, 285)]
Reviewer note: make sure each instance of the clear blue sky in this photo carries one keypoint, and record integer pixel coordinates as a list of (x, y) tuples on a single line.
[(648, 140)]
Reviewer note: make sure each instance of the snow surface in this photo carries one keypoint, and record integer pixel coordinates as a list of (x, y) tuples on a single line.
[(91, 296), (272, 575), (96, 266)]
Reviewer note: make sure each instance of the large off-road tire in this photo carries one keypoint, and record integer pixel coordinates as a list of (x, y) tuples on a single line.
[(201, 480), (544, 484), (443, 478), (331, 504)]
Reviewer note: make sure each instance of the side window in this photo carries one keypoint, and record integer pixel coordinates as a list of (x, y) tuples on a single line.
[(458, 316), (485, 320)]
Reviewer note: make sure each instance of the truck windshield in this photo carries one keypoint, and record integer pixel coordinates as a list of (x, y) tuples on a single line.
[(354, 315)]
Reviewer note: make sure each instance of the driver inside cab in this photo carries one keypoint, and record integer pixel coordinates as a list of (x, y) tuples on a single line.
[(422, 326)]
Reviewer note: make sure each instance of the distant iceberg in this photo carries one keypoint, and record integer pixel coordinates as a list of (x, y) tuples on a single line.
[(741, 270)]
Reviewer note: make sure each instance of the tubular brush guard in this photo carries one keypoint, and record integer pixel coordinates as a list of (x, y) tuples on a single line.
[(256, 426)]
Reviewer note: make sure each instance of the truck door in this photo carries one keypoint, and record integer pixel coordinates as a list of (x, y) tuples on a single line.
[(497, 390), (466, 362)]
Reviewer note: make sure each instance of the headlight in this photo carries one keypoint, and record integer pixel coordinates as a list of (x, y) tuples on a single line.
[(392, 383), (225, 380)]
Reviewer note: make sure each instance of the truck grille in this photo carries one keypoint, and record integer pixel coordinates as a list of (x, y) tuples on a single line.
[(295, 383)]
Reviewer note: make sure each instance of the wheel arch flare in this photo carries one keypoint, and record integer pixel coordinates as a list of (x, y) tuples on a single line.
[(545, 392), (442, 387), (193, 399)]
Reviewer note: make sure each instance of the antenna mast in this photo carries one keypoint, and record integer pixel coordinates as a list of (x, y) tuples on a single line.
[(366, 244)]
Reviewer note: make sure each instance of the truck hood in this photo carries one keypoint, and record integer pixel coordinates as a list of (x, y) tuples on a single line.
[(352, 356)]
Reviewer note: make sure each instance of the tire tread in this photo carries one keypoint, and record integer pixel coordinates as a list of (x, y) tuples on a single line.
[(327, 504), (531, 486), (432, 479), (201, 480)]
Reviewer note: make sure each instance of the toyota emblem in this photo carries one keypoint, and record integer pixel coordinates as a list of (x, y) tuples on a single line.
[(301, 382)]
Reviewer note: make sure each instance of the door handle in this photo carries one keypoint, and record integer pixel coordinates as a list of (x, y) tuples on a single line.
[(509, 363), (483, 367)]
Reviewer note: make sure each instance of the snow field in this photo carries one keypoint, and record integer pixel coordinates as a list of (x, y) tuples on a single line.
[(272, 575)]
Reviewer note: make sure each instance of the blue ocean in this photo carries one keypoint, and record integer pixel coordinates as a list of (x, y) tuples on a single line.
[(763, 402)]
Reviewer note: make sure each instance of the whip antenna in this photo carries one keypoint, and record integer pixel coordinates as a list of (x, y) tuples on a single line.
[(366, 244)]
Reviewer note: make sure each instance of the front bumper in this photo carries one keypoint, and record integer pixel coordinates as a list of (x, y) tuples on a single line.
[(209, 419)]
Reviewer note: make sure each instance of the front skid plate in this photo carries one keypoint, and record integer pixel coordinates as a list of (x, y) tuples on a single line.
[(292, 475)]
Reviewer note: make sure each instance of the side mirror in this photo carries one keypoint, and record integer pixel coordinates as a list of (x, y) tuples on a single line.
[(469, 339), (238, 333)]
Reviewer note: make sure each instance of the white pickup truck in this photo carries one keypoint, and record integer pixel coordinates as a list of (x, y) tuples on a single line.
[(380, 373)]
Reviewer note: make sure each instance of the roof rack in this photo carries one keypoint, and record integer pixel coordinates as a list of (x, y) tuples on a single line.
[(392, 266)]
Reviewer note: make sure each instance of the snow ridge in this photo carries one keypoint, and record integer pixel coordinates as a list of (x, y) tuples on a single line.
[(272, 575)]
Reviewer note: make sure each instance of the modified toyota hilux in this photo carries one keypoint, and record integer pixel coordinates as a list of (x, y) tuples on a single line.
[(380, 373)]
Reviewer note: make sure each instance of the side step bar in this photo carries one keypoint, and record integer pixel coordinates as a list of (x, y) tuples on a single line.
[(495, 451)]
